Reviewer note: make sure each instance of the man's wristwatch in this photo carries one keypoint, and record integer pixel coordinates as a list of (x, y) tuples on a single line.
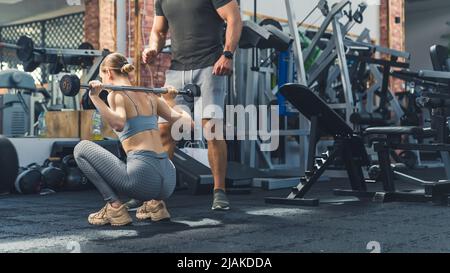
[(228, 55)]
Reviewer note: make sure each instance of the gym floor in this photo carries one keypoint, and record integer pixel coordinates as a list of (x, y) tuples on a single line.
[(52, 223)]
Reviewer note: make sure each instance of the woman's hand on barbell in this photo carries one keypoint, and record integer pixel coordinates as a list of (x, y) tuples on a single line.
[(172, 90), (95, 87)]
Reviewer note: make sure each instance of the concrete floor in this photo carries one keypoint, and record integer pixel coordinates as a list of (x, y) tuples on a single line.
[(57, 223)]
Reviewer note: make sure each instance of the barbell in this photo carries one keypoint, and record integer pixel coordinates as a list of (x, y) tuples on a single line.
[(70, 86), (25, 50)]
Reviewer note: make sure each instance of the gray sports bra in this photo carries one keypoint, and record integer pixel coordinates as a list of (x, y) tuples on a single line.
[(137, 124)]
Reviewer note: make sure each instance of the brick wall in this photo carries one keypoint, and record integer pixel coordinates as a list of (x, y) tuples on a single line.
[(91, 22), (392, 29), (107, 32), (100, 30), (149, 73), (392, 33)]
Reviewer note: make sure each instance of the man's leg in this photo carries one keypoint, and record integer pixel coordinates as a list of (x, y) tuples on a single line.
[(217, 157), (212, 111)]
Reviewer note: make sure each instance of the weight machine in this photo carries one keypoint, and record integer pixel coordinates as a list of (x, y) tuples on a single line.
[(58, 59)]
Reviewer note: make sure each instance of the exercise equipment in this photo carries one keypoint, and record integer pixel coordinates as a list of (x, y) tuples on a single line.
[(324, 121), (372, 119), (84, 60), (75, 180), (365, 67), (431, 89), (16, 79), (374, 171), (322, 5), (53, 176), (60, 149), (198, 177), (199, 180), (358, 15), (440, 58), (59, 58), (9, 164), (409, 158), (352, 152), (25, 96), (70, 86), (29, 180), (25, 51), (268, 34), (15, 115)]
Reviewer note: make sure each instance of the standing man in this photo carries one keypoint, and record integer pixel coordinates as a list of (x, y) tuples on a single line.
[(198, 56)]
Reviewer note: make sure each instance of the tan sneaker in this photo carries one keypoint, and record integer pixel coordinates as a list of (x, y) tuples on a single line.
[(109, 215), (154, 210)]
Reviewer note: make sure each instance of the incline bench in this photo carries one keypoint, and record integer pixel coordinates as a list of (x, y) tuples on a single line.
[(350, 148)]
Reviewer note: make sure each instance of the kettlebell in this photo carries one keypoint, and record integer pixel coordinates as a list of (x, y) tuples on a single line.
[(29, 180), (75, 179), (52, 175)]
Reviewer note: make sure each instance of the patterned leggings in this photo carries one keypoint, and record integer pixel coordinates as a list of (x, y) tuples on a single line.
[(146, 175)]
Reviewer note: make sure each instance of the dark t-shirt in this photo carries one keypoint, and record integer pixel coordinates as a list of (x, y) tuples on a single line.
[(196, 31)]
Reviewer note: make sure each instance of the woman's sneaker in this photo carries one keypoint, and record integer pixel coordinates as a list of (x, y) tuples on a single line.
[(109, 215), (154, 210)]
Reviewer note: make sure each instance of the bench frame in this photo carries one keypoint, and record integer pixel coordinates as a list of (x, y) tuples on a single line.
[(350, 148)]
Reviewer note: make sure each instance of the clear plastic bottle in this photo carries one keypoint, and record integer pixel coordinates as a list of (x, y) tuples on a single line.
[(42, 125), (97, 126)]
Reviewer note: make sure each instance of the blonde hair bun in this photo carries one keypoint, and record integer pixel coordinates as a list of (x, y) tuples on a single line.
[(127, 68)]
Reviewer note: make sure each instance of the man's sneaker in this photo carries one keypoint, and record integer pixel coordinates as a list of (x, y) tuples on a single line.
[(109, 215), (220, 201), (133, 204), (154, 210)]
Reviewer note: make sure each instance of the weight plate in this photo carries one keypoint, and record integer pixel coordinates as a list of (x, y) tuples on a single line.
[(26, 48)]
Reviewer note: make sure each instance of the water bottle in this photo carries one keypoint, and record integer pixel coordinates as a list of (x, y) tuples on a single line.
[(42, 126), (97, 126)]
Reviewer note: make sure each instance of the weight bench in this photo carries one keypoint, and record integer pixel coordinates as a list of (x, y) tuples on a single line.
[(387, 140), (350, 149)]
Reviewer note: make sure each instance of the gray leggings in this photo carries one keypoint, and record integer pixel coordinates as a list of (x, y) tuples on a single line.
[(146, 175)]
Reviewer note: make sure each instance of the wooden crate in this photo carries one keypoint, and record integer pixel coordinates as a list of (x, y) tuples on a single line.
[(62, 124), (74, 124), (86, 118)]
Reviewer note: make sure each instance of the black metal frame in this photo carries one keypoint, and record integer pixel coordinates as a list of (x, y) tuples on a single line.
[(436, 192), (348, 148), (351, 150), (386, 66), (51, 32)]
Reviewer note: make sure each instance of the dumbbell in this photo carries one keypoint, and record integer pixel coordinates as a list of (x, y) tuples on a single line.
[(70, 86)]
